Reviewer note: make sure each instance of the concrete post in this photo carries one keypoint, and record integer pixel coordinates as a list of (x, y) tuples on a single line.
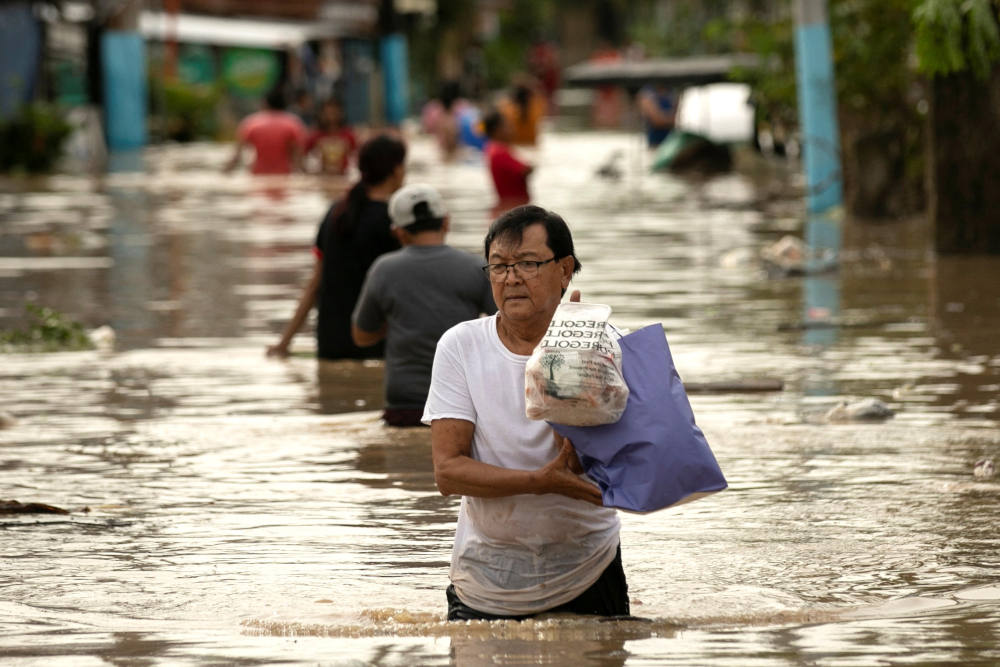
[(395, 67), (123, 69), (817, 106), (395, 77), (824, 175), (123, 64)]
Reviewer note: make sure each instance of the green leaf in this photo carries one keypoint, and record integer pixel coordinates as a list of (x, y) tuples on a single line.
[(983, 37)]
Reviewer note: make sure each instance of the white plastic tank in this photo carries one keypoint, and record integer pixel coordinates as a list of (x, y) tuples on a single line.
[(720, 112)]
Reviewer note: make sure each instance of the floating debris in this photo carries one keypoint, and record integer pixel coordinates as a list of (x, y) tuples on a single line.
[(984, 469), (790, 256), (16, 507), (102, 338), (868, 409), (735, 386), (610, 168)]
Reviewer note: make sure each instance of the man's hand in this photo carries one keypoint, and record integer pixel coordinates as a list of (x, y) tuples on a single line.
[(572, 459), (574, 296), (561, 475)]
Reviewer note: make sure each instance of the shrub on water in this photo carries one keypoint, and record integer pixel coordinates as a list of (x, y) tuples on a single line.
[(48, 331), (33, 138)]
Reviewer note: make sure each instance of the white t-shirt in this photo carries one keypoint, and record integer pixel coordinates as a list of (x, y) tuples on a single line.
[(518, 554)]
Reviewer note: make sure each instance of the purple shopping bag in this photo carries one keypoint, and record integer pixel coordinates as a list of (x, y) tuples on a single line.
[(655, 456)]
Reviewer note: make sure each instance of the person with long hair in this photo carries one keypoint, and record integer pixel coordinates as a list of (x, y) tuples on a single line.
[(354, 232)]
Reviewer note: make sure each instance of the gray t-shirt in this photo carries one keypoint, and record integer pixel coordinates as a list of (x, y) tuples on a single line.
[(420, 292)]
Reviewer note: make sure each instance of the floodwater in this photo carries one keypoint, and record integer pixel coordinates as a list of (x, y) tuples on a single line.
[(244, 510)]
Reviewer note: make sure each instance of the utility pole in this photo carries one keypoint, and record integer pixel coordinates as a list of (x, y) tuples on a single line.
[(824, 175), (817, 106), (395, 64), (123, 69)]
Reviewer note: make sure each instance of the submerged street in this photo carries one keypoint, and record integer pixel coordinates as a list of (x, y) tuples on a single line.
[(228, 508)]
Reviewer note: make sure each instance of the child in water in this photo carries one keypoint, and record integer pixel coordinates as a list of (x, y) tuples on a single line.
[(333, 143)]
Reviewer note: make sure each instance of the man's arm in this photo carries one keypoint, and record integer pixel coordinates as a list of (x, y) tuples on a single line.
[(234, 161), (297, 154), (367, 312), (457, 473), (306, 302), (652, 112), (364, 338)]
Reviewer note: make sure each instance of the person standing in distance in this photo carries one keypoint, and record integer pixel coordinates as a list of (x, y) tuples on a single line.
[(532, 535), (509, 174), (656, 105), (353, 233), (415, 294), (276, 136)]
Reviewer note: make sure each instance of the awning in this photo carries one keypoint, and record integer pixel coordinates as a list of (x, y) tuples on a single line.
[(672, 72), (194, 29)]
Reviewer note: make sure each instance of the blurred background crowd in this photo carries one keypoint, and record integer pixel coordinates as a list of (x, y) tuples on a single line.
[(916, 80)]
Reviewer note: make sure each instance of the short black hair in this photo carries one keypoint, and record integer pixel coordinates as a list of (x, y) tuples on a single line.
[(276, 100), (450, 92), (423, 219), (511, 226), (492, 122)]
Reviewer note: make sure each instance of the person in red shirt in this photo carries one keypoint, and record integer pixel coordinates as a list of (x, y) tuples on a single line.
[(333, 143), (510, 175), (276, 136)]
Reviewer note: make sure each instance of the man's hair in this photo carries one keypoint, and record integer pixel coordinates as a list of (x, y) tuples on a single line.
[(275, 100), (511, 225), (424, 219), (492, 122), (450, 92)]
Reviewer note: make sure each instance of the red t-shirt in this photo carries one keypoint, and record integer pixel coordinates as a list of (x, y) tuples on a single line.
[(510, 175), (273, 134), (335, 148)]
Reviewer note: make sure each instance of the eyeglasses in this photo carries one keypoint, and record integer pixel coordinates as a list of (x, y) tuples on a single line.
[(523, 269)]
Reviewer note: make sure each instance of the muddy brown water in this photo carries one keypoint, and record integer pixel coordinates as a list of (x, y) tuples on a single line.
[(244, 510)]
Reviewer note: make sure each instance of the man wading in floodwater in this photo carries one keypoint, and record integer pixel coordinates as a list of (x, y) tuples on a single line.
[(532, 533), (413, 295)]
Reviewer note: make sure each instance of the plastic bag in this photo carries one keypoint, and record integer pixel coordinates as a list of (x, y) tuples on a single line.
[(655, 456), (574, 376)]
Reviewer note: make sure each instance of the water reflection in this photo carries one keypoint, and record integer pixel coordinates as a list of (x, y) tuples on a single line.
[(130, 280), (471, 652), (347, 386), (822, 284)]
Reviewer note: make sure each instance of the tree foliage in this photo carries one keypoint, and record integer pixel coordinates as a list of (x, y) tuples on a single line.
[(954, 35), (32, 139), (523, 22)]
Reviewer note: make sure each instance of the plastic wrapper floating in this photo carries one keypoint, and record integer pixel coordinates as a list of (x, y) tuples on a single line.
[(574, 376), (655, 456)]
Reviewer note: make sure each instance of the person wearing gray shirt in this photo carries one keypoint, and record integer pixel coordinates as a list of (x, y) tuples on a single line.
[(411, 296)]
